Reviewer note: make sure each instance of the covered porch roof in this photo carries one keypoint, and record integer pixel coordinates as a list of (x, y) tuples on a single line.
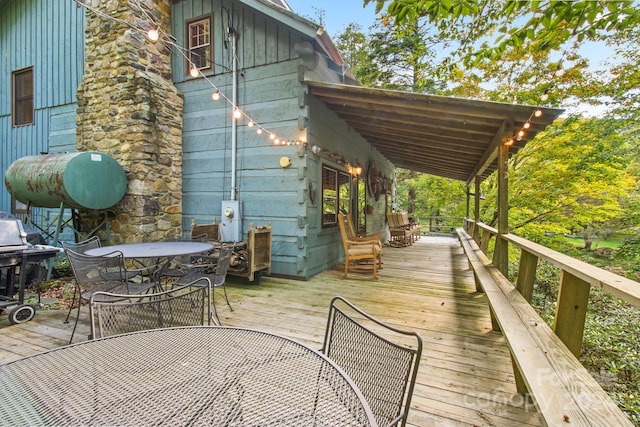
[(444, 136)]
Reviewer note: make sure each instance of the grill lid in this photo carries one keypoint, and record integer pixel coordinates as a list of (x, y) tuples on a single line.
[(12, 236)]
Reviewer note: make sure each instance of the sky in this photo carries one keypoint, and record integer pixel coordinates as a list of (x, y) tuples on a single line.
[(337, 13)]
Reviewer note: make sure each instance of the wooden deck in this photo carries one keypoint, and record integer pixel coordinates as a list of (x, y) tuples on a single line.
[(465, 375)]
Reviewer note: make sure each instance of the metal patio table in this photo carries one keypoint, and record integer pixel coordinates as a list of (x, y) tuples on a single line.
[(165, 251), (153, 249), (214, 376)]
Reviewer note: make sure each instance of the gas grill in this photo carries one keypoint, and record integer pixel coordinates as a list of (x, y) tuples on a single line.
[(17, 254)]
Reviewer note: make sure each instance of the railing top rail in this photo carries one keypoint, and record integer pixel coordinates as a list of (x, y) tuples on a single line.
[(621, 287)]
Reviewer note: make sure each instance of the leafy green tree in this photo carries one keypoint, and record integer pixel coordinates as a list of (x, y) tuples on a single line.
[(485, 29), (572, 179), (389, 57)]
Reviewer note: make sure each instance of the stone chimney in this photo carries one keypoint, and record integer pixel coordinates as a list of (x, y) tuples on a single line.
[(129, 109)]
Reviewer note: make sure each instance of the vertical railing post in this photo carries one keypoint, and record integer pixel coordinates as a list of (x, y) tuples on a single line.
[(526, 274), (571, 311)]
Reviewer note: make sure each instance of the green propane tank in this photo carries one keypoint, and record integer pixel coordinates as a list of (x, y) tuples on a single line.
[(79, 180)]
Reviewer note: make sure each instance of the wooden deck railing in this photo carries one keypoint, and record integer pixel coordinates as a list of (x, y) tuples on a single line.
[(545, 358)]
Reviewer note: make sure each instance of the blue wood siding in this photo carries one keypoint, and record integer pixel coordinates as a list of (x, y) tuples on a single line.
[(48, 36), (262, 40), (270, 92), (268, 193)]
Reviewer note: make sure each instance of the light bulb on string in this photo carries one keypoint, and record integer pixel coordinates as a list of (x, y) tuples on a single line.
[(153, 34), (544, 96), (272, 136), (527, 125), (276, 141), (521, 134), (538, 113), (509, 142)]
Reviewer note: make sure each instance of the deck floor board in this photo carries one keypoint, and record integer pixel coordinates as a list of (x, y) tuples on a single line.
[(465, 376)]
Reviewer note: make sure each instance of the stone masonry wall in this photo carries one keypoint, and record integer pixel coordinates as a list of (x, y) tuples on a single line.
[(129, 109)]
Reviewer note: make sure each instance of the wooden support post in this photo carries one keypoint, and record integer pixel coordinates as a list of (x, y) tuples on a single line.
[(501, 251), (571, 311), (521, 386), (476, 211), (484, 241), (526, 274)]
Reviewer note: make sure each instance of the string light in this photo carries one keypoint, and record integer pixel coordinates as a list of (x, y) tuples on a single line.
[(153, 35)]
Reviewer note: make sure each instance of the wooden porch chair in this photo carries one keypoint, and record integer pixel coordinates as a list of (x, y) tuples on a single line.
[(353, 235), (400, 234), (359, 251), (415, 231)]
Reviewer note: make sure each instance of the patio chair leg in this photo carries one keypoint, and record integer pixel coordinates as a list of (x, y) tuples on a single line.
[(73, 300), (215, 317), (75, 325), (224, 288)]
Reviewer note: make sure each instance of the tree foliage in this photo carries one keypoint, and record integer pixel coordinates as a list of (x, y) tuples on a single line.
[(485, 29), (391, 58)]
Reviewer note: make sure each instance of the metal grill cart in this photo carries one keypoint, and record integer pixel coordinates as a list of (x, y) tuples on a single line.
[(16, 255)]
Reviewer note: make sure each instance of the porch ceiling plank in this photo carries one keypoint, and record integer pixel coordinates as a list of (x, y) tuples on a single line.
[(421, 132), (415, 123), (425, 142)]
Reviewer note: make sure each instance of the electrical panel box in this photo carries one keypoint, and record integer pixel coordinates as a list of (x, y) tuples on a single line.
[(231, 222)]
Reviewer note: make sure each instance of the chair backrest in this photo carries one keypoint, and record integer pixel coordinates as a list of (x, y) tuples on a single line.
[(113, 313), (82, 246), (350, 226), (382, 360), (343, 231), (98, 273), (209, 232), (222, 267)]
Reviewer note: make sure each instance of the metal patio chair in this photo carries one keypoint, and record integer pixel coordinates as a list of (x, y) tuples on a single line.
[(216, 273), (101, 273), (185, 305), (382, 360), (79, 247), (82, 246)]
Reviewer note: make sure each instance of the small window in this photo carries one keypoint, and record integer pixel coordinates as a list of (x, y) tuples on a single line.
[(336, 194), (22, 108), (200, 43)]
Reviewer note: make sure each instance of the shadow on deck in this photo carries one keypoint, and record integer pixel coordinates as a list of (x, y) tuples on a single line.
[(465, 375)]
